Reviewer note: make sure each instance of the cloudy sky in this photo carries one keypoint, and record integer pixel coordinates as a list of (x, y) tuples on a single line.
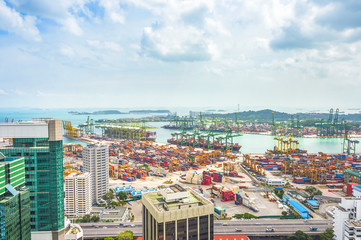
[(149, 53)]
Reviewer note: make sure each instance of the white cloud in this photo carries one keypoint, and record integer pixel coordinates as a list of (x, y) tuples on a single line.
[(176, 43), (70, 24), (18, 92), (105, 45), (3, 92), (67, 51), (12, 21), (63, 12), (113, 10), (49, 94)]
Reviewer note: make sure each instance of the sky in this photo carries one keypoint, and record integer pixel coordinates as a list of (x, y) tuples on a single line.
[(151, 53)]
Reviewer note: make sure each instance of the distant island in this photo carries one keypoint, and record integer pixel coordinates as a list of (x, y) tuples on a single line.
[(105, 112), (149, 111), (108, 112)]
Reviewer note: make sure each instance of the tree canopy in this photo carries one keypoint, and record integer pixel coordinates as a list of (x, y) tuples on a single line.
[(299, 235), (127, 235)]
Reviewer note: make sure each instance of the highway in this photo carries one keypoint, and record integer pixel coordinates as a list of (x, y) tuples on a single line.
[(247, 227)]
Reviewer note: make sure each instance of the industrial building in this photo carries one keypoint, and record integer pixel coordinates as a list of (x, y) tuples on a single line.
[(40, 143), (78, 197), (348, 209), (276, 182), (96, 162), (14, 200), (177, 213)]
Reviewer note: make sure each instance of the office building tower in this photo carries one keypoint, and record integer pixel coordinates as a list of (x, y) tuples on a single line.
[(177, 213), (40, 143), (14, 200), (78, 200), (96, 162)]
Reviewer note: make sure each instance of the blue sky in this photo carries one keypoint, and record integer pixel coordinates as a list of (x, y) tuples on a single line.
[(149, 53)]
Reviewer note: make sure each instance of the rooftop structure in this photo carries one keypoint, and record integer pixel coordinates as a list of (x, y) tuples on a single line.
[(120, 214), (75, 232), (177, 213)]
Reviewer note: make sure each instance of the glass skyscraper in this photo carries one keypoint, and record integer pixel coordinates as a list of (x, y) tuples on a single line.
[(40, 144), (14, 200)]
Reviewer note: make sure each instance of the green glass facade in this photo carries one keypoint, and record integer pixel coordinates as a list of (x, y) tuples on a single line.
[(44, 178), (14, 200)]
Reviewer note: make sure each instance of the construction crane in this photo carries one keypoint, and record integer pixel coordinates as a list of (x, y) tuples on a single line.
[(70, 131), (88, 126), (349, 145)]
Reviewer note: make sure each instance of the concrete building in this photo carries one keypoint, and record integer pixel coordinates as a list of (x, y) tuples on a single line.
[(78, 196), (113, 214), (352, 230), (348, 209), (14, 200), (177, 213), (40, 143), (96, 162)]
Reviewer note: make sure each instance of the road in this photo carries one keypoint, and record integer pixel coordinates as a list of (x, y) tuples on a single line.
[(247, 227)]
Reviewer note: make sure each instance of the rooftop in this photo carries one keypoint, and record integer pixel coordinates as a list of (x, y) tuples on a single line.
[(355, 223), (159, 203)]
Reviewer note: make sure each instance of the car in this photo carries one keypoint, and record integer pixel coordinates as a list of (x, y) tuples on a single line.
[(313, 228), (96, 226), (238, 230), (121, 224), (224, 224), (270, 229), (133, 225)]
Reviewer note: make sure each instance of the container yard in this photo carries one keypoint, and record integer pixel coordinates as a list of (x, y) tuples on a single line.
[(273, 184)]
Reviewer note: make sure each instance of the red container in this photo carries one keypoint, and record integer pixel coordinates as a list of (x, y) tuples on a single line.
[(349, 188)]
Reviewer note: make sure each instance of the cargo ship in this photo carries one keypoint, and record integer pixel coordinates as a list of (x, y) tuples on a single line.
[(174, 127), (215, 145)]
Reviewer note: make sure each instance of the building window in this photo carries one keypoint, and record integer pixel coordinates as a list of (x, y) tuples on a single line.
[(193, 228), (170, 230), (203, 227), (160, 231), (182, 230)]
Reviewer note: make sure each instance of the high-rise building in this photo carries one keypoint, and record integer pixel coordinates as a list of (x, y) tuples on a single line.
[(40, 143), (177, 213), (14, 200), (96, 162), (78, 200), (345, 215)]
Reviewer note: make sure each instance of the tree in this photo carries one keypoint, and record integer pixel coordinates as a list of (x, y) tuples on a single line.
[(86, 218), (127, 235), (284, 213), (299, 235), (313, 191), (108, 197), (109, 238), (95, 219), (327, 235), (122, 196)]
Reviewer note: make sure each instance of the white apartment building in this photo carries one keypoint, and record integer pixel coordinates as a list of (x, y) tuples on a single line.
[(96, 162), (78, 197), (348, 209), (352, 230)]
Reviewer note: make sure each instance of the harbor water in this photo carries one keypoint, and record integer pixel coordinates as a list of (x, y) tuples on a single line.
[(251, 143)]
